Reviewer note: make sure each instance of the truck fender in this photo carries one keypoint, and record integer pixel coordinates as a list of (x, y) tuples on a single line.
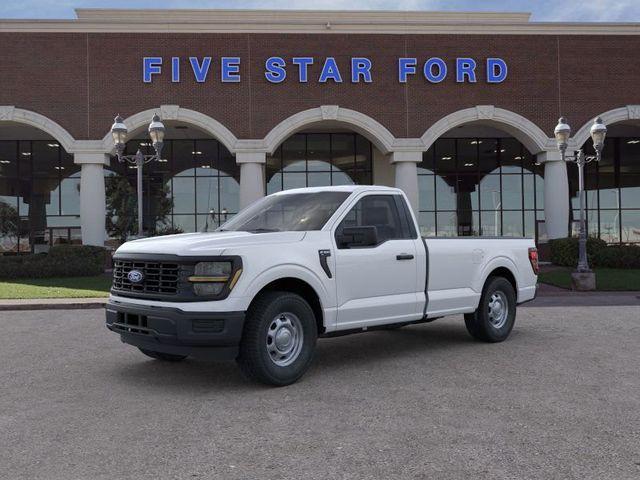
[(288, 271), (494, 263)]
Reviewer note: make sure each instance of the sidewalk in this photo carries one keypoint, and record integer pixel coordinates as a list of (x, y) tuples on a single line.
[(52, 304), (551, 296), (548, 296)]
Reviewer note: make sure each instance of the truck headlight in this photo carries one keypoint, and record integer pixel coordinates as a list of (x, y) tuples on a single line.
[(210, 278)]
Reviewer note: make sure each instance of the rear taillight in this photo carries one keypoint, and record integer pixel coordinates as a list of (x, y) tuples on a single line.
[(533, 258)]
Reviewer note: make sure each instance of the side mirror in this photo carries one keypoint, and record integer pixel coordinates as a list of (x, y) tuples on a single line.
[(350, 237)]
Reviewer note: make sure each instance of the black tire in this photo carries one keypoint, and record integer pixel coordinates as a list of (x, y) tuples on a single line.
[(481, 324), (166, 357), (269, 310)]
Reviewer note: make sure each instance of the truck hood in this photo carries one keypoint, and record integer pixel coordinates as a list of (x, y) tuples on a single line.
[(211, 243)]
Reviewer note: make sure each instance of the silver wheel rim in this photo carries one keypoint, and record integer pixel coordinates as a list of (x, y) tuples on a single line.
[(284, 339), (498, 309)]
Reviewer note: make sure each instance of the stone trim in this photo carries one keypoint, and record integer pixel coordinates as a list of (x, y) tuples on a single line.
[(629, 112), (177, 113), (308, 21), (10, 113), (531, 136), (382, 138)]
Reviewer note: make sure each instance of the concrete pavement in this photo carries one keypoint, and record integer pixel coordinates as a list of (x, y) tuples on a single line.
[(559, 399)]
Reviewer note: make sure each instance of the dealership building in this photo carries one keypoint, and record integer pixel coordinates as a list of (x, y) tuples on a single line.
[(456, 109)]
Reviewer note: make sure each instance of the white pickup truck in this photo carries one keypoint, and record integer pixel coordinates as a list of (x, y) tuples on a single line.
[(309, 263)]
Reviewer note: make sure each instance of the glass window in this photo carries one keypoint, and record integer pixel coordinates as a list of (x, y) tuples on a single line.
[(207, 195), (447, 224), (183, 155), (467, 192), (319, 152), (491, 223), (470, 203), (378, 211), (427, 193), (512, 223), (445, 159), (319, 159), (511, 155), (294, 153), (445, 194), (488, 155), (630, 223), (427, 221), (512, 192), (467, 154), (490, 197), (289, 212), (610, 226), (8, 159)]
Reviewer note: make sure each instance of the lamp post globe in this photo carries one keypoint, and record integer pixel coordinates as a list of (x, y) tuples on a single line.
[(119, 133), (562, 133), (598, 134), (156, 132)]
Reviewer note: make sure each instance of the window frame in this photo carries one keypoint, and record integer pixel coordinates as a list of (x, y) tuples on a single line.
[(402, 226)]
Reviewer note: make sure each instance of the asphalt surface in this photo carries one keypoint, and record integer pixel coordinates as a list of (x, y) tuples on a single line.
[(559, 399)]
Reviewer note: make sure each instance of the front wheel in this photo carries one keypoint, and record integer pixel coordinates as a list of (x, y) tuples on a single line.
[(496, 313), (279, 339)]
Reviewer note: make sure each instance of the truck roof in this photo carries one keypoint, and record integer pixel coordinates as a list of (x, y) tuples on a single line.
[(340, 188)]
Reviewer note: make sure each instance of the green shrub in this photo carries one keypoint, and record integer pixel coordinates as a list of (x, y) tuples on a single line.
[(61, 261), (564, 251), (618, 256)]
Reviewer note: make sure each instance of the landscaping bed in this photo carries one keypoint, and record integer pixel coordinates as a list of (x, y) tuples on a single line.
[(607, 279), (71, 287)]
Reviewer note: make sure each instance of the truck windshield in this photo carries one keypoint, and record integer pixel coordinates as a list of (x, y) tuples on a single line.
[(289, 212)]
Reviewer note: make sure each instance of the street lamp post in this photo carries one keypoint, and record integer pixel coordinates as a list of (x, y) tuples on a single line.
[(562, 133), (119, 133)]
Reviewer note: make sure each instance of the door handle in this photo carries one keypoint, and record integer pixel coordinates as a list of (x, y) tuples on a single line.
[(404, 256)]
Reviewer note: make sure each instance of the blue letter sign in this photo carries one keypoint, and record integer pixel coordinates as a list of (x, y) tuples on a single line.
[(434, 69), (360, 67), (428, 70), (151, 66), (330, 71), (406, 66), (200, 71), (275, 69), (496, 70), (230, 69)]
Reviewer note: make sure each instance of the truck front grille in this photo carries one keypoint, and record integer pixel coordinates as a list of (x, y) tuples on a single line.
[(158, 277)]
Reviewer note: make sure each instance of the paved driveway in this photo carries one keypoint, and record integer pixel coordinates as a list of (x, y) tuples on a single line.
[(559, 399)]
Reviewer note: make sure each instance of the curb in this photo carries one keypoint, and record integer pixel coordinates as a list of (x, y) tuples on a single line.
[(52, 305)]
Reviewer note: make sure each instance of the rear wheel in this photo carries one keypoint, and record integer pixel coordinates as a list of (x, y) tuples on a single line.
[(167, 357), (496, 313), (279, 339)]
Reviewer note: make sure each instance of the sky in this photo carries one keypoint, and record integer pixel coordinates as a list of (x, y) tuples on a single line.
[(542, 10)]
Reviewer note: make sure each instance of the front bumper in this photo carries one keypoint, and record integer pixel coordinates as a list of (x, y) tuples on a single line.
[(213, 336)]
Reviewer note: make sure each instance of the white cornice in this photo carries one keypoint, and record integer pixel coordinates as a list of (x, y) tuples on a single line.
[(300, 21)]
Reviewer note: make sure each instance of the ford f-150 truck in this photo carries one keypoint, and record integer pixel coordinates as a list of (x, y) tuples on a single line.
[(308, 263)]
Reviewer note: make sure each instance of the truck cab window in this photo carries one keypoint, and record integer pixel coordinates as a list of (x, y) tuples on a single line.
[(378, 211)]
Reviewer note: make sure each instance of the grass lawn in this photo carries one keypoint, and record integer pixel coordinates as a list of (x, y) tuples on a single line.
[(73, 287), (607, 279)]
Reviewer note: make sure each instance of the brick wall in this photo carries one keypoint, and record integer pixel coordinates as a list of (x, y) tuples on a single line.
[(82, 80)]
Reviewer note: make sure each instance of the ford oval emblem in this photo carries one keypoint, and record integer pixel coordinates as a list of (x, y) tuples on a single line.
[(135, 276)]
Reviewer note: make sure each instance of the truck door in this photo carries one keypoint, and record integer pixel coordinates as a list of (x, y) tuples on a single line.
[(376, 283)]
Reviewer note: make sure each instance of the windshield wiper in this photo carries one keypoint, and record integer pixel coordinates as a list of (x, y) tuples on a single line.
[(263, 230)]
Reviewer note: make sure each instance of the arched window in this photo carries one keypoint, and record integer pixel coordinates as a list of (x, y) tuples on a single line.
[(320, 159), (199, 176), (479, 186), (39, 196)]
